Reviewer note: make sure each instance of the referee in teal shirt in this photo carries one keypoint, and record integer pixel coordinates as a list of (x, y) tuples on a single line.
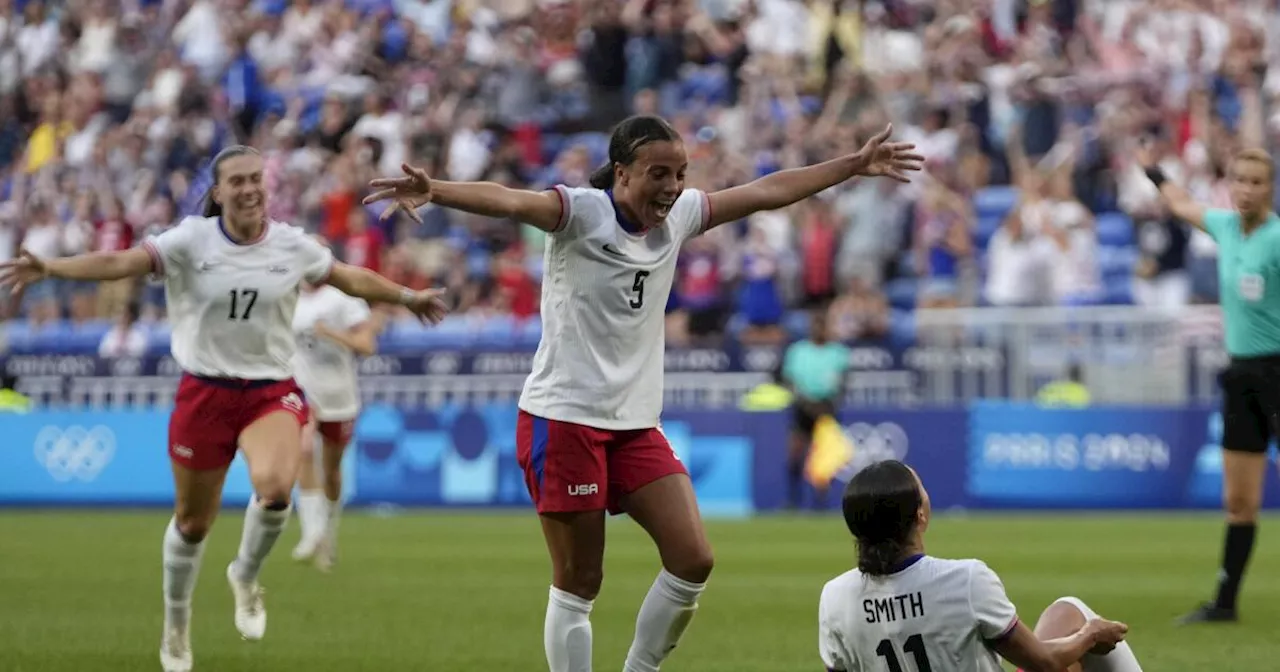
[(1249, 278), (814, 371)]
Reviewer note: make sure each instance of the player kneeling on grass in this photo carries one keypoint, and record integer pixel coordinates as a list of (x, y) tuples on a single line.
[(902, 610)]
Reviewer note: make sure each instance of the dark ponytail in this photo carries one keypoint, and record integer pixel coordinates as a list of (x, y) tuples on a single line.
[(627, 138), (211, 207), (603, 177), (881, 506)]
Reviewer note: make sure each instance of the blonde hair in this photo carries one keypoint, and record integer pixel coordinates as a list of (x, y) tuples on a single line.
[(1258, 155)]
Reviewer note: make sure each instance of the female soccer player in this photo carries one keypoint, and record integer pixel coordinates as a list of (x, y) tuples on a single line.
[(1249, 286), (588, 432), (331, 329), (231, 281), (900, 605)]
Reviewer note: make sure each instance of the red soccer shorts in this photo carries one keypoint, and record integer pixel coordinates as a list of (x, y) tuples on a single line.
[(570, 467), (337, 431), (210, 413)]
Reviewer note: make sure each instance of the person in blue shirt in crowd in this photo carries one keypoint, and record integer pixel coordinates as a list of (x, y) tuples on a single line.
[(814, 369)]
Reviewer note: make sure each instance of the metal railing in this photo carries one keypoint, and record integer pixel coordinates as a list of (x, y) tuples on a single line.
[(1126, 355)]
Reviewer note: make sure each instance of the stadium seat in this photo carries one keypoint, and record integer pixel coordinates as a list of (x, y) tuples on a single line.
[(1119, 292), (1117, 262), (528, 332), (496, 331), (1115, 229), (85, 338), (901, 293), (995, 201), (902, 328), (987, 227), (796, 322)]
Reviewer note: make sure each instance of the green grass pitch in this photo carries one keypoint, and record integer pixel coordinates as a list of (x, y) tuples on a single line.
[(80, 591)]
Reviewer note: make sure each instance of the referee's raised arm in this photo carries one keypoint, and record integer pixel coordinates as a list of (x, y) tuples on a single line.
[(1173, 196)]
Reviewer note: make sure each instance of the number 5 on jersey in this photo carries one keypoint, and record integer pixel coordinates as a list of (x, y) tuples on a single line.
[(637, 289), (242, 301)]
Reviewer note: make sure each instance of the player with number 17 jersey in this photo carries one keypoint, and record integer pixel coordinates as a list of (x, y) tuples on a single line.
[(598, 372), (231, 306)]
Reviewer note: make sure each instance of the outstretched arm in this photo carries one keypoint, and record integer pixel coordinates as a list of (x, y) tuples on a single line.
[(28, 269), (1173, 196), (415, 189), (785, 187), (365, 284)]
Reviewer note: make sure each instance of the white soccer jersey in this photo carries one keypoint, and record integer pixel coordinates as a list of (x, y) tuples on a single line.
[(325, 370), (938, 615), (230, 304), (604, 298)]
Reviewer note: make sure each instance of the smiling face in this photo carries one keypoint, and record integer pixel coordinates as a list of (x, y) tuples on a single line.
[(241, 190), (652, 182)]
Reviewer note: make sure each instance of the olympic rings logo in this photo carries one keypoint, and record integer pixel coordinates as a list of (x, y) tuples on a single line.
[(873, 443), (75, 453)]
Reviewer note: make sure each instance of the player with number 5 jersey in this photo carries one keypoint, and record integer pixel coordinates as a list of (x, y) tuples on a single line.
[(588, 435), (231, 280)]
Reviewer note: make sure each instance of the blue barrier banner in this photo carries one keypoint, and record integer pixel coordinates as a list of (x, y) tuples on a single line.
[(73, 457), (465, 456), (994, 455), (1023, 455)]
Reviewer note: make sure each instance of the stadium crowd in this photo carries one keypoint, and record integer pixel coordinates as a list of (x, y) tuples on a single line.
[(1030, 112)]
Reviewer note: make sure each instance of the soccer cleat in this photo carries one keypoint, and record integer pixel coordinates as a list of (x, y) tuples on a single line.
[(1209, 613), (326, 555), (175, 650), (251, 614), (306, 549)]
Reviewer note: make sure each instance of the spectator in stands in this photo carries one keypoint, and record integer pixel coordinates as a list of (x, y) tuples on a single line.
[(860, 313), (943, 245), (127, 338)]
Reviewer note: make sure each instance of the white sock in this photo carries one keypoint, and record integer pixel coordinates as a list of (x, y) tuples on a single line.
[(1121, 659), (181, 566), (261, 529), (310, 513), (567, 632), (665, 614)]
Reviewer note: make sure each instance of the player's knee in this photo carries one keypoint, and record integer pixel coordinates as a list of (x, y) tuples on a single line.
[(273, 491), (1060, 619), (584, 582), (192, 528), (695, 566), (1241, 507)]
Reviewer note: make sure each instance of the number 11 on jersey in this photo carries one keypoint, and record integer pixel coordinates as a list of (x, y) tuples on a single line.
[(914, 646)]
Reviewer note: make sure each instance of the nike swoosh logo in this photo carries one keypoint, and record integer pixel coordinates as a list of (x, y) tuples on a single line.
[(608, 247)]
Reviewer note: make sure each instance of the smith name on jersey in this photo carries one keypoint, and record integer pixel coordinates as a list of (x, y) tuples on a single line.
[(934, 614)]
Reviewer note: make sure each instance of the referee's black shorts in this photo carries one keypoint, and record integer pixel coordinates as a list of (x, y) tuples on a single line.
[(805, 414), (1250, 403)]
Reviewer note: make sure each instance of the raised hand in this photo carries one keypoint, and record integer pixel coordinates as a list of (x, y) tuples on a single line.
[(428, 305), (889, 159), (25, 269), (407, 193)]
